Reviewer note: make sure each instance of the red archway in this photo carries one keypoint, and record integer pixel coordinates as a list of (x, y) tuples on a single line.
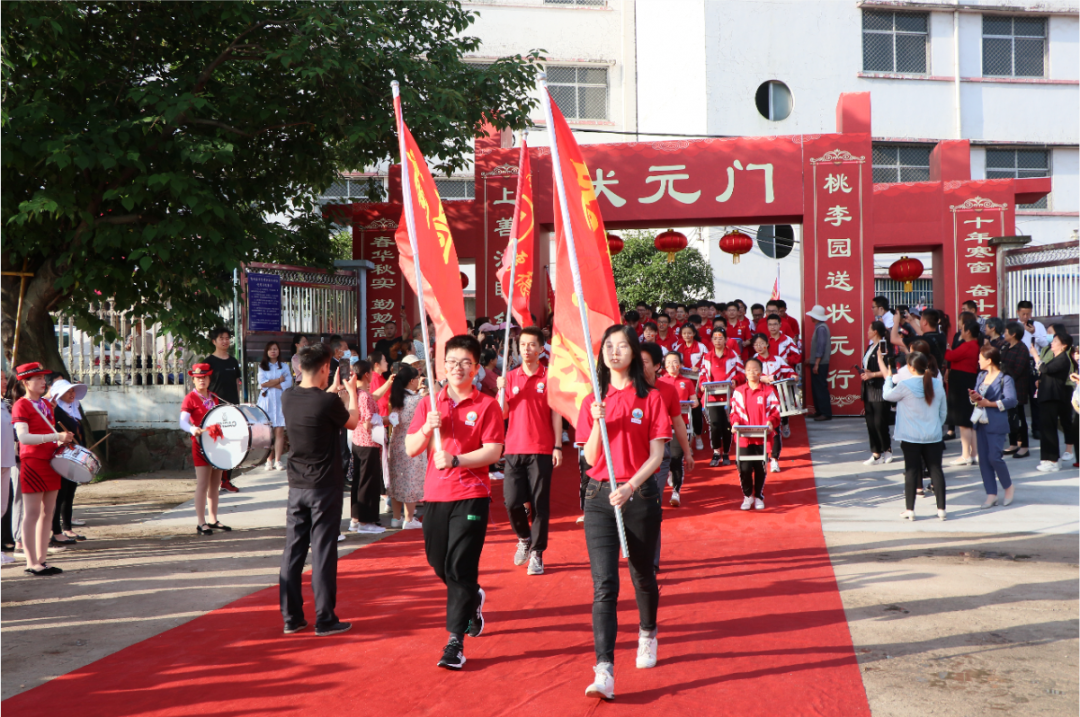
[(823, 182)]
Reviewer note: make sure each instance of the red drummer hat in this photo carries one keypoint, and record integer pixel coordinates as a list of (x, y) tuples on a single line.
[(200, 369), (28, 370)]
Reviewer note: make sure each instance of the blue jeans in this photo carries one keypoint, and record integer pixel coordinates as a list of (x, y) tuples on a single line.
[(991, 461)]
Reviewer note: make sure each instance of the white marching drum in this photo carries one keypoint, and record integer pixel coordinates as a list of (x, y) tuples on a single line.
[(743, 431), (246, 437), (76, 463), (790, 398), (686, 407), (717, 393), (690, 373)]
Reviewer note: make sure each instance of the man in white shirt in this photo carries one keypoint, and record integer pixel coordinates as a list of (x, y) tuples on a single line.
[(1034, 331), (881, 311)]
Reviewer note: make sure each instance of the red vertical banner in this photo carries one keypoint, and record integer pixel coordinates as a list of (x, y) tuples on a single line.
[(523, 229), (974, 221), (384, 282), (838, 180)]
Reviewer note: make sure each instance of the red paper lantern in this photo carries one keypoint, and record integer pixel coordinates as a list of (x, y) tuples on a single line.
[(906, 270), (464, 280), (670, 242), (737, 243), (614, 244)]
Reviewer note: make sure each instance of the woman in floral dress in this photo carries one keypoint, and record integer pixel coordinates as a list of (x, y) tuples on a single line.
[(406, 474)]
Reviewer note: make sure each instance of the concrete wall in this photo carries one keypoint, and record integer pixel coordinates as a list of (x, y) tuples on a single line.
[(138, 407)]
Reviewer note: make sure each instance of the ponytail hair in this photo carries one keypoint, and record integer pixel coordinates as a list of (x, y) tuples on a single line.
[(919, 363)]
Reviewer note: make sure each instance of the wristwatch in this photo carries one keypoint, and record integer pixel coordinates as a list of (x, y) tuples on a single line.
[(455, 462)]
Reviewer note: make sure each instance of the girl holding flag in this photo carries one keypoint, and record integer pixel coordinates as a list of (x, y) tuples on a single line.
[(638, 426)]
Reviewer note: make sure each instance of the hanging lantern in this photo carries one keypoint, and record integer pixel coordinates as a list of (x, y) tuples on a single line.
[(737, 243), (614, 244), (670, 242), (464, 280), (906, 270)]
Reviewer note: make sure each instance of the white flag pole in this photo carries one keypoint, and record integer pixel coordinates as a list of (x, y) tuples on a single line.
[(410, 223), (513, 271), (582, 308)]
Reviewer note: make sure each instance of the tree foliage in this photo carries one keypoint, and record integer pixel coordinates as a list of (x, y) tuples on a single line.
[(643, 274), (146, 144)]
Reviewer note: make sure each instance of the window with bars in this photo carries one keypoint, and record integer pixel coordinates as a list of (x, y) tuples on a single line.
[(1014, 46), (895, 41), (359, 189), (1019, 164), (901, 163), (455, 188), (577, 3), (580, 92)]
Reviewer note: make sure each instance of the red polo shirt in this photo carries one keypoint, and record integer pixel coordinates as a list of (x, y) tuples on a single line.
[(631, 423), (683, 387), (529, 429), (466, 427), (377, 381), (788, 326), (670, 397), (739, 330)]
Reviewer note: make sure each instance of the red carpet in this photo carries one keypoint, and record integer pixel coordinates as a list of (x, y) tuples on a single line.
[(750, 623)]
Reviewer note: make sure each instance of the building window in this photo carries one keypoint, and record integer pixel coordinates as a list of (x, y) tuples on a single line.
[(1019, 164), (895, 41), (773, 100), (346, 190), (901, 163), (454, 188), (580, 92), (1014, 46), (577, 3)]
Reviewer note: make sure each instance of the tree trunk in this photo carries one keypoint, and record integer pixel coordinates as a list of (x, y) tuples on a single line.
[(37, 332)]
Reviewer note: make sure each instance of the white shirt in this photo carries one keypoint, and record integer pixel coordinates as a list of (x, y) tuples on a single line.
[(887, 319), (1040, 337)]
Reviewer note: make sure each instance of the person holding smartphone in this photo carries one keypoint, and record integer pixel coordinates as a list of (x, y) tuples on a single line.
[(873, 381)]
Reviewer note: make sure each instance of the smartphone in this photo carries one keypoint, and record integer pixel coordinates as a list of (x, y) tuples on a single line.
[(883, 346), (344, 370)]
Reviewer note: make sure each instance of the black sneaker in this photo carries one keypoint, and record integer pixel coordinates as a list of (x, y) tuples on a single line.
[(453, 655), (336, 629), (290, 629), (715, 460), (726, 461), (476, 624)]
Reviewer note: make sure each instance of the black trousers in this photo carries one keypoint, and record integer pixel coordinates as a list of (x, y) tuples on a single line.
[(454, 534), (65, 500), (367, 484), (752, 473), (675, 465), (313, 518), (819, 389), (1051, 415), (697, 420), (583, 466), (527, 479), (641, 520), (719, 429), (777, 444), (918, 456), (877, 425), (346, 447), (1018, 427)]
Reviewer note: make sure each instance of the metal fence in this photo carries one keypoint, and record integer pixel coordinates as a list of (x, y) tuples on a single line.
[(1048, 276), (314, 301), (921, 294)]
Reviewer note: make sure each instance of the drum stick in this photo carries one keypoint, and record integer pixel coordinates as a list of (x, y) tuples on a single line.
[(99, 442)]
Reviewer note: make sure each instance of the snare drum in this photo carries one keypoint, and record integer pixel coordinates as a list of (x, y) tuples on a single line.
[(743, 431), (246, 441), (76, 463), (717, 393), (790, 399), (692, 374)]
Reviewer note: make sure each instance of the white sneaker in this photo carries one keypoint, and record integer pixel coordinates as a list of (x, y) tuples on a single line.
[(279, 466), (496, 475), (565, 437), (646, 652), (887, 457), (699, 446), (371, 529), (1048, 466), (747, 503), (412, 524), (675, 502), (395, 523), (6, 559), (78, 522), (759, 504), (354, 527), (580, 520), (1067, 457), (871, 461), (603, 685), (785, 431), (908, 515), (269, 465), (774, 465), (536, 564), (341, 536)]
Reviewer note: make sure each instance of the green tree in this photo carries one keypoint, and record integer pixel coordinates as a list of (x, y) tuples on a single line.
[(643, 274), (146, 145)]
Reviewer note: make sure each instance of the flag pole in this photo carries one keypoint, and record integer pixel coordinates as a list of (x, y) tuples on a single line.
[(513, 271), (410, 223), (582, 308)]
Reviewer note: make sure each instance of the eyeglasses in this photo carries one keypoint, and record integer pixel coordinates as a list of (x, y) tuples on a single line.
[(463, 364)]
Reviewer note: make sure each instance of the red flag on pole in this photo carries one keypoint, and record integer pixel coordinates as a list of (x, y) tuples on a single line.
[(775, 290), (523, 229), (443, 298), (569, 378)]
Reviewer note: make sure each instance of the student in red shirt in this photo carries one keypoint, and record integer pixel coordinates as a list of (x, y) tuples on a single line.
[(690, 348), (723, 363), (193, 409), (533, 450), (649, 333), (773, 368), (638, 427), (780, 344), (737, 328), (652, 358), (665, 335), (457, 490), (788, 324), (761, 326), (680, 316), (686, 390), (754, 404), (35, 430)]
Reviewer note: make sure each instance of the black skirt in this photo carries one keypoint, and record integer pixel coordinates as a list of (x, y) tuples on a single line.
[(960, 408)]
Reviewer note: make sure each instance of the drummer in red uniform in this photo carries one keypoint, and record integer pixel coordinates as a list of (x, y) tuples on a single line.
[(685, 389), (723, 363), (207, 478), (773, 368), (32, 418), (754, 404)]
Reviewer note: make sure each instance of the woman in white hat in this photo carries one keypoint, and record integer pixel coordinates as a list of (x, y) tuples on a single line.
[(69, 417)]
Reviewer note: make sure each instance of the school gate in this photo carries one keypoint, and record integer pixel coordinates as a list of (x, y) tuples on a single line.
[(821, 181)]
